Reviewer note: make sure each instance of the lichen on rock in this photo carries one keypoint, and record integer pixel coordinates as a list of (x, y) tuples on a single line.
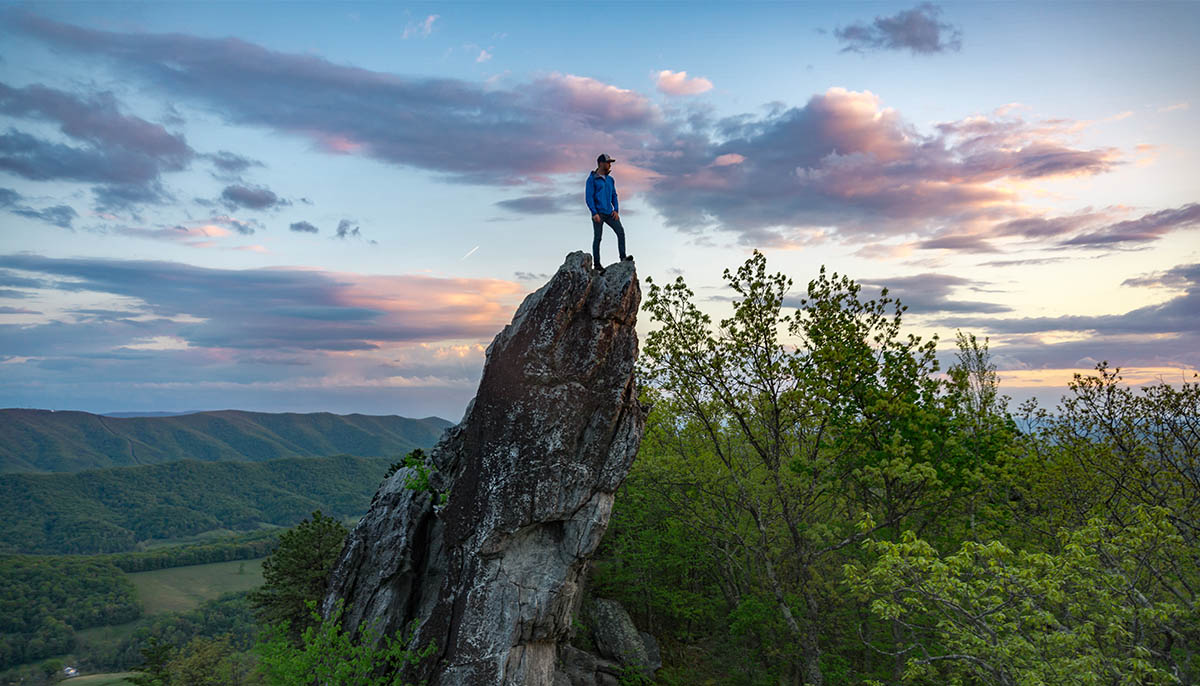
[(492, 575)]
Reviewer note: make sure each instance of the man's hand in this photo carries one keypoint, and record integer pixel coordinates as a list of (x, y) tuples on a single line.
[(596, 218), (616, 215)]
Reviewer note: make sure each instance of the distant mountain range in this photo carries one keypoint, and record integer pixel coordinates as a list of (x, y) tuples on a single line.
[(48, 441)]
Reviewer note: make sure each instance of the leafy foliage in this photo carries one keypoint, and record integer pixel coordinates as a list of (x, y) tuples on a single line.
[(328, 655), (816, 502), (1089, 614)]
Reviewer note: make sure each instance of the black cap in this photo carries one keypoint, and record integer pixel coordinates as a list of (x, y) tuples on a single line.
[(604, 158)]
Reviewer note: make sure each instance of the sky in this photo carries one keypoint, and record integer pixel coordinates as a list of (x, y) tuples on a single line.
[(333, 207)]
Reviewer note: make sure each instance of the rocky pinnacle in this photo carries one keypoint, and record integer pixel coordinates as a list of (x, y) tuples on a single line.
[(489, 557)]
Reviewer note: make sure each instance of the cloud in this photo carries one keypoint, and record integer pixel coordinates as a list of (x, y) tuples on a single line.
[(1144, 229), (847, 166), (58, 215), (251, 197), (544, 204), (344, 229), (465, 130), (678, 83), (125, 153), (269, 310), (1023, 262), (244, 227), (917, 30), (484, 56), (840, 167), (1179, 315), (931, 293), (200, 235), (302, 227), (231, 164), (16, 310), (421, 28)]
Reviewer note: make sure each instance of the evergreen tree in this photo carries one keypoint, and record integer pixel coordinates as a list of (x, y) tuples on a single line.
[(296, 573)]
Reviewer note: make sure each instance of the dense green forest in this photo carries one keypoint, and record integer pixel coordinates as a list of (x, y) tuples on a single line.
[(113, 510), (815, 502), (44, 600), (46, 441)]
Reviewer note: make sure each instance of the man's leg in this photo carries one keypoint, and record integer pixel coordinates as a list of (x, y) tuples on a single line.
[(620, 231), (597, 232)]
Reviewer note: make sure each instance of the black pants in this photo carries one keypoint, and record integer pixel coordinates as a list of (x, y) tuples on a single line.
[(598, 230)]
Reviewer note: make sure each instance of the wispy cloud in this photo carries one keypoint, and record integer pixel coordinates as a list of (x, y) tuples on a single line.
[(124, 152), (58, 215), (420, 28), (262, 309)]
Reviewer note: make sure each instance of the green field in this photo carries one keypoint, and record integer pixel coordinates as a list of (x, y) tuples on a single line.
[(113, 679), (183, 588)]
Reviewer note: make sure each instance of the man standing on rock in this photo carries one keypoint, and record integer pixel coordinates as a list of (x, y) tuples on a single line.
[(601, 197)]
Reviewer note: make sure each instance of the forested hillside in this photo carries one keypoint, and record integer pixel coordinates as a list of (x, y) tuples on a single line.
[(112, 510), (46, 441)]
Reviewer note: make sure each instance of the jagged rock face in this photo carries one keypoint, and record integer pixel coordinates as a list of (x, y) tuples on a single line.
[(492, 575)]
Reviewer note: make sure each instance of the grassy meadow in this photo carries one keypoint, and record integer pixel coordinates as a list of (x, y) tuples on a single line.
[(183, 588)]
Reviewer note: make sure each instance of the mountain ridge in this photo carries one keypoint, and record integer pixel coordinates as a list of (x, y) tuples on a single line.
[(42, 441)]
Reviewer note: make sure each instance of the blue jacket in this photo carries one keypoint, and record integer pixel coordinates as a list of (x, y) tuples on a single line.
[(601, 194)]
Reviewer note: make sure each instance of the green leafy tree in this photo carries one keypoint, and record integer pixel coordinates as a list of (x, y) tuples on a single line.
[(773, 431), (296, 573), (328, 655), (1085, 615)]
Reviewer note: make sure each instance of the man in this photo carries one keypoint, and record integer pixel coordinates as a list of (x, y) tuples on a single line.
[(601, 197)]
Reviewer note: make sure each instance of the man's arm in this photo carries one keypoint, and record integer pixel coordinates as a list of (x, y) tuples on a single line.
[(588, 195), (614, 195)]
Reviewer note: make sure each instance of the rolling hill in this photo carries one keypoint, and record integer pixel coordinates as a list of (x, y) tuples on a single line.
[(114, 510), (49, 441)]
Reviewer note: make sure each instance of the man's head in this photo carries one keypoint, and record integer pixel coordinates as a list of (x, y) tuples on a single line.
[(604, 163)]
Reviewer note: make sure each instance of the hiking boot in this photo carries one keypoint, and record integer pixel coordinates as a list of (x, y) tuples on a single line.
[(599, 268), (628, 258)]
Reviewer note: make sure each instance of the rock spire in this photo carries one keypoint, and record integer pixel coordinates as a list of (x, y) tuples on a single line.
[(486, 550)]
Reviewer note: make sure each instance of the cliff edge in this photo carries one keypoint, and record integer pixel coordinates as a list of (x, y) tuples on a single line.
[(487, 554)]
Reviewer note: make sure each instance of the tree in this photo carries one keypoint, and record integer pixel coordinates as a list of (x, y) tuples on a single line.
[(328, 655), (774, 432), (297, 571), (1089, 614), (210, 662)]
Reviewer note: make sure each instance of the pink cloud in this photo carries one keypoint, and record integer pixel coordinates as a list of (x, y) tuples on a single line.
[(678, 83), (596, 101)]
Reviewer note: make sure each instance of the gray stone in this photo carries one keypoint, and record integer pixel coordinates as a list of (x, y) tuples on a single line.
[(579, 666), (615, 635), (493, 575), (653, 654)]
